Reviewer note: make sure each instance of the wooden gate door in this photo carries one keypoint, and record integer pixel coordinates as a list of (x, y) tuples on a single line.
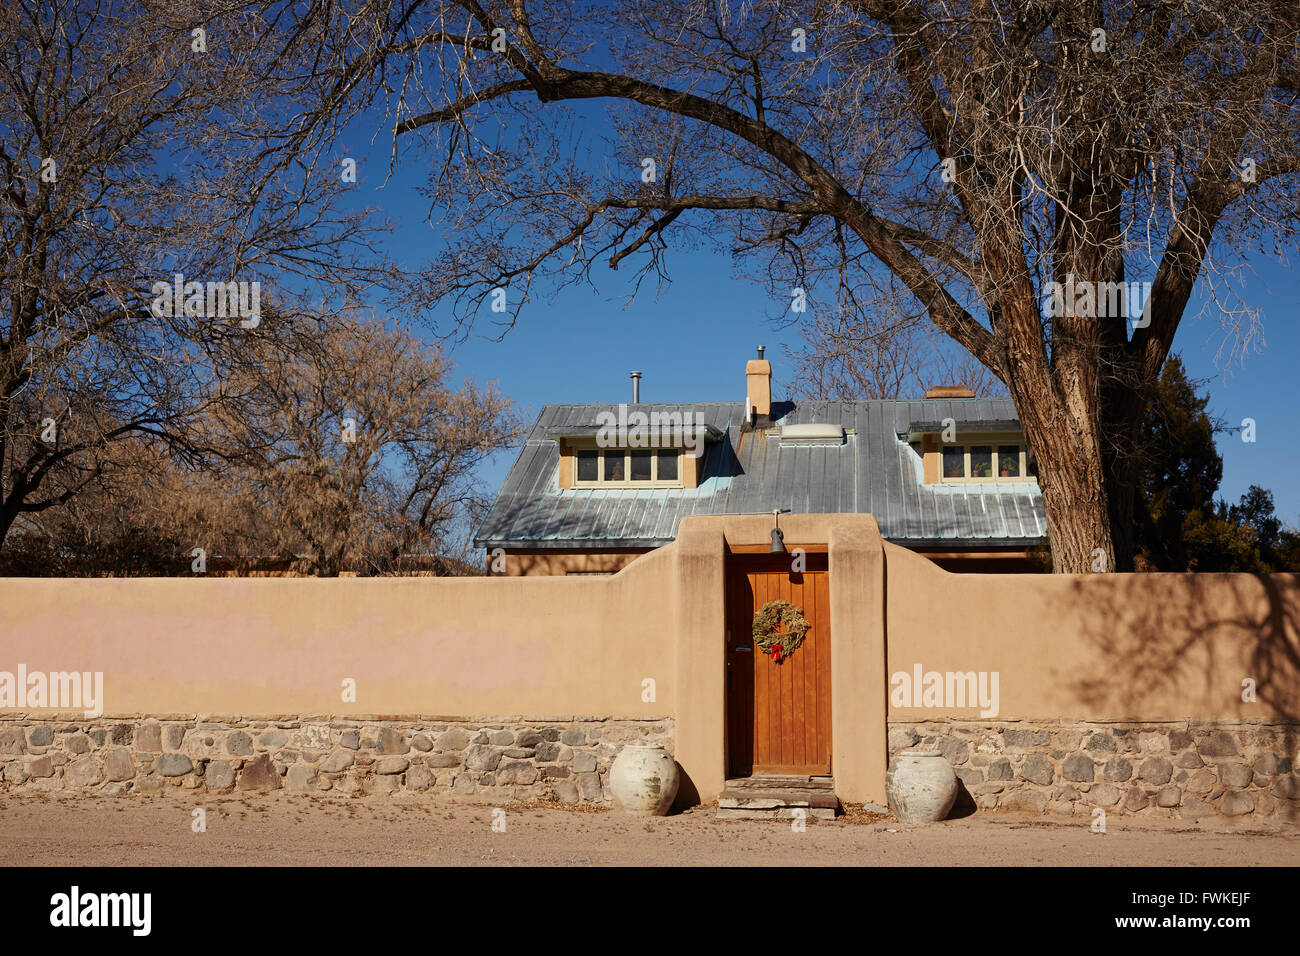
[(778, 715)]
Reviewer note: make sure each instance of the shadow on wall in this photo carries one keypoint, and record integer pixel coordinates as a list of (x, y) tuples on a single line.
[(1205, 633), (1218, 634)]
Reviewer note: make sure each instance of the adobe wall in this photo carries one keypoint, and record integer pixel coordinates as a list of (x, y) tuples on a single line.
[(459, 646), (559, 563), (1156, 665), (236, 682), (1138, 647), (1153, 694)]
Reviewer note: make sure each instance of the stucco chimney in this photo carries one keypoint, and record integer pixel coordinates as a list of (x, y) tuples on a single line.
[(758, 386)]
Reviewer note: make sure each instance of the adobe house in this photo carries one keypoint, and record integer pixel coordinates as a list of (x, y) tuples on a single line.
[(949, 476)]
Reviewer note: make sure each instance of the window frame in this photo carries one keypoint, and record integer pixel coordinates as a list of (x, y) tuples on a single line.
[(997, 442), (626, 482)]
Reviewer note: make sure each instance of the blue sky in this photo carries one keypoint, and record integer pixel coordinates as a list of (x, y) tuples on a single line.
[(692, 336)]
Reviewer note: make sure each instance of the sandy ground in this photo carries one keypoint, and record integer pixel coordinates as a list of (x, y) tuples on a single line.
[(289, 830)]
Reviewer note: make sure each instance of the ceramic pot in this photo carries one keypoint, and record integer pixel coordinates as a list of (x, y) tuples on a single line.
[(921, 786), (644, 780)]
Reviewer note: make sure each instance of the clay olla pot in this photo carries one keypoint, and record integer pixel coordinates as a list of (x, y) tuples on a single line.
[(644, 780), (921, 786)]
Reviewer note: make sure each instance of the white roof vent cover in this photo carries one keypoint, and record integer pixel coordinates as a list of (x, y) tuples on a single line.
[(812, 434)]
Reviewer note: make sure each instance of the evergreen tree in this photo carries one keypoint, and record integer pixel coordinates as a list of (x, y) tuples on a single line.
[(1180, 525)]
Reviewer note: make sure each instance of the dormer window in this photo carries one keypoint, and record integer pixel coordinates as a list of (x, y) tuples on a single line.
[(954, 450), (634, 449), (985, 462), (628, 468)]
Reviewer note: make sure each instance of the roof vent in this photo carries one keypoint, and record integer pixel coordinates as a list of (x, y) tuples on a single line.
[(812, 434), (636, 387)]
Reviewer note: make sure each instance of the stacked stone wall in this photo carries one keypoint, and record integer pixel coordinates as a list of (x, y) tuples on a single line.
[(1180, 769), (496, 759)]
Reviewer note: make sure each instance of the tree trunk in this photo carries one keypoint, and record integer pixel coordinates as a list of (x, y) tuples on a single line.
[(1075, 500), (1121, 457), (1057, 400), (8, 515)]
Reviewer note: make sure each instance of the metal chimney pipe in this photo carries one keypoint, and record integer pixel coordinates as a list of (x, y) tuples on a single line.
[(761, 350), (636, 387)]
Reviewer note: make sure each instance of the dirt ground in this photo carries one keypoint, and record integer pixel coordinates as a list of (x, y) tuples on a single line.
[(289, 829)]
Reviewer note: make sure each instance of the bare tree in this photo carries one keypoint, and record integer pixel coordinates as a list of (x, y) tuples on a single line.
[(329, 445), (891, 355), (975, 152), (125, 159), (356, 440)]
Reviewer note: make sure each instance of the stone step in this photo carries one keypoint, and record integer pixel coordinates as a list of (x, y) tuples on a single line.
[(781, 813), (766, 799), (781, 782), (772, 798)]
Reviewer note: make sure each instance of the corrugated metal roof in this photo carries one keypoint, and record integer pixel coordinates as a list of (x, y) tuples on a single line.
[(874, 471)]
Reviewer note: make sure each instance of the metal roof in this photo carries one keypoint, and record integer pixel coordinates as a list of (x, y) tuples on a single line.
[(1001, 425), (873, 471)]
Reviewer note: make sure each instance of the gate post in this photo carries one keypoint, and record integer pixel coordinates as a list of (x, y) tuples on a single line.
[(859, 684), (700, 629)]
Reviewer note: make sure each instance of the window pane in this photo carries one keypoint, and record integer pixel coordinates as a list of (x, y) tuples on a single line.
[(954, 461), (641, 465), (667, 465), (981, 461), (614, 466), (588, 466), (1009, 461)]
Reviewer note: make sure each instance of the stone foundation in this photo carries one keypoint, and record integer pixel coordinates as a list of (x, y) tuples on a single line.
[(493, 759), (1181, 769)]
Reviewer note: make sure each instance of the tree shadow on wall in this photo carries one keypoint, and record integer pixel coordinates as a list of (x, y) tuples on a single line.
[(1193, 638), (1184, 631)]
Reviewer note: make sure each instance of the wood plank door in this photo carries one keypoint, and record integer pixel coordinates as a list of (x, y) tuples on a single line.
[(778, 715)]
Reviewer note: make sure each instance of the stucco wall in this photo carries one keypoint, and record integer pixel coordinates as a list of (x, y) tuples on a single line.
[(456, 646), (1113, 646), (554, 562)]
